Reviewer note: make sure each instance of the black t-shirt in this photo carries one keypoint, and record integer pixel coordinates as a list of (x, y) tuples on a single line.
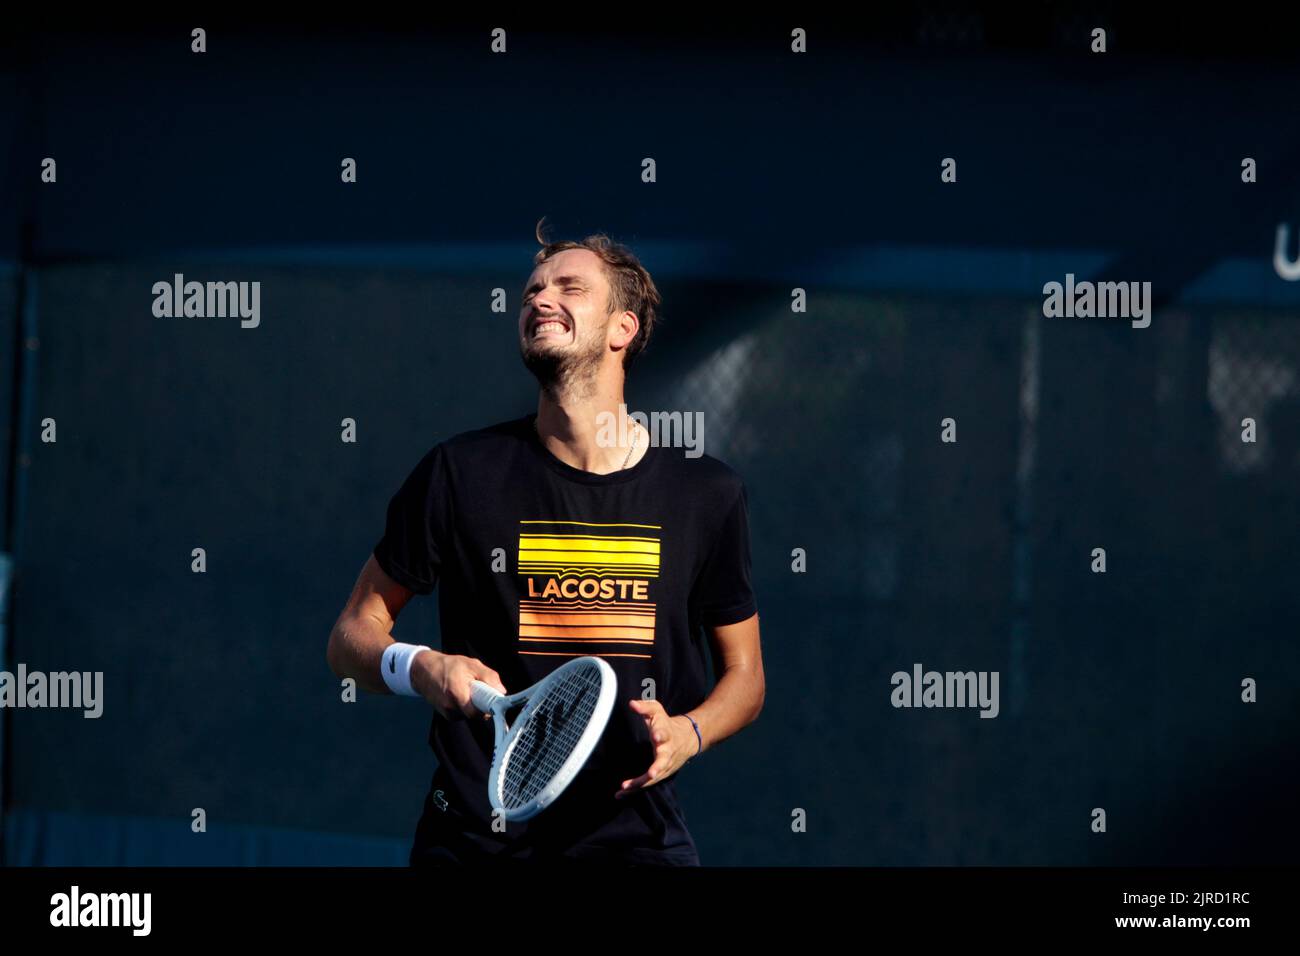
[(538, 562)]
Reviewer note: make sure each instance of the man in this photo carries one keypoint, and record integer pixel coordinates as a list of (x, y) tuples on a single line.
[(550, 541)]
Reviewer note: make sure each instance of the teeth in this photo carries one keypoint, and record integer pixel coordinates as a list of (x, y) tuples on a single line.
[(548, 327)]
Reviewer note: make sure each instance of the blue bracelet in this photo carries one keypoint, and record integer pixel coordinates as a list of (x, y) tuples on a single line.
[(697, 735)]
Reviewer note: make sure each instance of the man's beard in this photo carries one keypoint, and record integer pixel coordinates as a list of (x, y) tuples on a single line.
[(564, 371)]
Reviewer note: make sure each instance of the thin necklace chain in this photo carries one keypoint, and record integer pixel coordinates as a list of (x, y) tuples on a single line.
[(631, 448)]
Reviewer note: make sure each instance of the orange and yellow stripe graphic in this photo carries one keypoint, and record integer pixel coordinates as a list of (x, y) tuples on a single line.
[(588, 550), (592, 550)]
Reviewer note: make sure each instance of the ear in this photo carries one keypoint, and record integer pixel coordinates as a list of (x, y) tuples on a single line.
[(628, 325)]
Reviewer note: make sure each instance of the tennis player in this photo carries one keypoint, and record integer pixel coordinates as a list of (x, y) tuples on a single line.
[(557, 535)]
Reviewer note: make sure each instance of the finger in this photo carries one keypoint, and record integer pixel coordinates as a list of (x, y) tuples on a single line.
[(651, 776), (660, 726), (488, 676), (660, 730), (649, 711), (470, 708), (477, 670), (466, 703), (631, 786)]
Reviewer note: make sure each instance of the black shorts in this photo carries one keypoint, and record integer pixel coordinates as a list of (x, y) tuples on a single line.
[(441, 845), (440, 840)]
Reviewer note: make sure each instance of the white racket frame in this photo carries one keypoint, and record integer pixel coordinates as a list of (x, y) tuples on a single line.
[(488, 700)]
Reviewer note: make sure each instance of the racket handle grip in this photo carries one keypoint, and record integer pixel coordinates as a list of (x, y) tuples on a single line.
[(482, 696)]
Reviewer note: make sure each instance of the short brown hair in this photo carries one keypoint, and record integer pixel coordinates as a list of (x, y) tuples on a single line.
[(631, 288)]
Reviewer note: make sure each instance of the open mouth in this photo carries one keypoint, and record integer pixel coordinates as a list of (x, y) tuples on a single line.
[(548, 325)]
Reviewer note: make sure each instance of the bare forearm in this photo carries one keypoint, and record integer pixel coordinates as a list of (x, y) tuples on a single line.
[(733, 704), (356, 649)]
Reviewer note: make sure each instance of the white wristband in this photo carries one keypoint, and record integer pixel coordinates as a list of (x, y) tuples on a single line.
[(396, 667)]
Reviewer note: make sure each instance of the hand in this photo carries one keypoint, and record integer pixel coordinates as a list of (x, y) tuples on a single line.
[(443, 680), (674, 741)]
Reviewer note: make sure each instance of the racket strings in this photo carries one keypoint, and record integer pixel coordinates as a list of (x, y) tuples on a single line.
[(549, 735)]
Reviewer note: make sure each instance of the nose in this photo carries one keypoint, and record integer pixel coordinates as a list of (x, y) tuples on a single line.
[(544, 304)]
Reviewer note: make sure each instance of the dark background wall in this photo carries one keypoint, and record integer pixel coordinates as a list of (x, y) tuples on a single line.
[(819, 171)]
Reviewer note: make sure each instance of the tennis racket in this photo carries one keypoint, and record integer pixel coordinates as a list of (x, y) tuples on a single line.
[(537, 756)]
